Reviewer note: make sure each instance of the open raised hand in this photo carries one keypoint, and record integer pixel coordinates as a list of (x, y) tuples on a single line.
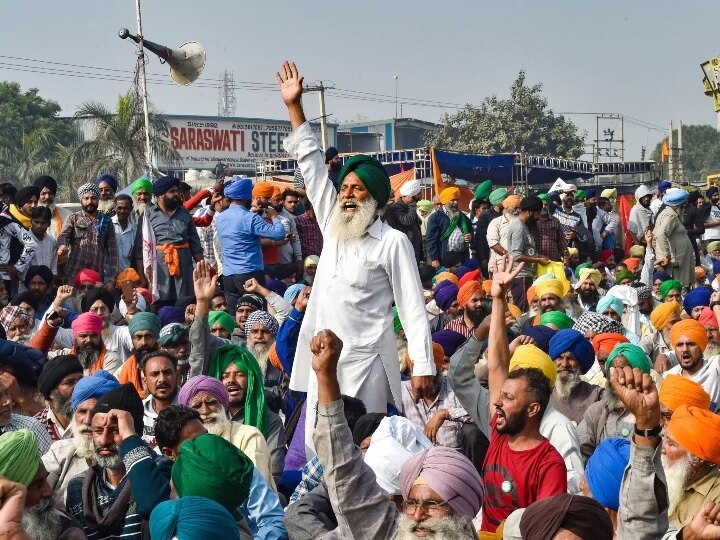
[(503, 275), (290, 82)]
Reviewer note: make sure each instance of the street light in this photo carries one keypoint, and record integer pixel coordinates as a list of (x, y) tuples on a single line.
[(396, 94)]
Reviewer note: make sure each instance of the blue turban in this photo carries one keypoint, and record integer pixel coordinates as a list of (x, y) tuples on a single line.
[(445, 296), (293, 291), (239, 189), (449, 340), (661, 275), (96, 385), (590, 192), (572, 341), (192, 517), (163, 184), (610, 302), (472, 264), (171, 314), (716, 267), (460, 271), (276, 286), (109, 179), (541, 334), (664, 185), (604, 471), (27, 362), (712, 191), (696, 297), (675, 197)]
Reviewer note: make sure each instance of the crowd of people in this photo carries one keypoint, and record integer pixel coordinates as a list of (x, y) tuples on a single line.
[(335, 360)]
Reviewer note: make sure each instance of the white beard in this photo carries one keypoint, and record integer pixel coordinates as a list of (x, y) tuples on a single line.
[(261, 352), (140, 207), (21, 339), (566, 384), (676, 476), (352, 227), (49, 206), (83, 445), (454, 527), (106, 206), (216, 423), (42, 521), (712, 349)]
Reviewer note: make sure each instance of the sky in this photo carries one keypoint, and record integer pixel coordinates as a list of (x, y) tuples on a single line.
[(639, 59)]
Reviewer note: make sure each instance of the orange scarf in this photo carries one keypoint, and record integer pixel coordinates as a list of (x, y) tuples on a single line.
[(172, 257), (130, 373), (58, 221)]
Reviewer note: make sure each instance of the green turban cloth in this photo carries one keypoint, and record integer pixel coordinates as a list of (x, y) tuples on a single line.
[(19, 456), (580, 267), (624, 274), (211, 467), (544, 197), (580, 195), (669, 285), (372, 173), (224, 318), (425, 205), (145, 321), (255, 394), (482, 192), (173, 333), (141, 183), (498, 196), (635, 356), (397, 325), (558, 319)]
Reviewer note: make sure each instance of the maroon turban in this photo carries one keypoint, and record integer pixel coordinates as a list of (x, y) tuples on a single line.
[(580, 515)]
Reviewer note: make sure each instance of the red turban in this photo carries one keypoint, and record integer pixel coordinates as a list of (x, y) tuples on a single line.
[(606, 342), (473, 275), (263, 189), (689, 328), (467, 291), (87, 274), (87, 322), (708, 318)]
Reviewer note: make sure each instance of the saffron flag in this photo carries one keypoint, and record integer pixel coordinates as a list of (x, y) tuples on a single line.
[(664, 151), (624, 205)]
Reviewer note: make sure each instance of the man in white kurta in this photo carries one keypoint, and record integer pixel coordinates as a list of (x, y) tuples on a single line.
[(356, 283)]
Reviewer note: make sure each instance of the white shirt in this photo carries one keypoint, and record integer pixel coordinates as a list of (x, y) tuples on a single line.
[(45, 252), (562, 434), (708, 376), (353, 293), (497, 233), (712, 233)]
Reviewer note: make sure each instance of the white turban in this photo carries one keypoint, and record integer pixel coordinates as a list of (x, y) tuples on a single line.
[(643, 191), (410, 188)]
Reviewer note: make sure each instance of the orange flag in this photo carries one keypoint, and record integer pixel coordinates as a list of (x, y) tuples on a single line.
[(437, 175), (664, 151), (397, 180)]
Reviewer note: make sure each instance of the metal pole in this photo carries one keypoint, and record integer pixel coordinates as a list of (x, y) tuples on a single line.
[(396, 94), (681, 172), (143, 85), (323, 118), (671, 168)]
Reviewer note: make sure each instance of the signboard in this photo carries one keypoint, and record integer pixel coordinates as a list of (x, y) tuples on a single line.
[(204, 141)]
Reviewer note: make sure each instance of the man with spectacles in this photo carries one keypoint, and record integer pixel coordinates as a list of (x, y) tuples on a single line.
[(441, 489)]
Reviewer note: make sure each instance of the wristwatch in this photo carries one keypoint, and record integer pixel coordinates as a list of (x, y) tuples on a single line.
[(648, 433)]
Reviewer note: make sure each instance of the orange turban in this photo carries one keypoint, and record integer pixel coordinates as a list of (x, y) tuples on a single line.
[(448, 194), (697, 431), (274, 358), (438, 357), (129, 274), (467, 291), (446, 276), (276, 191), (676, 390), (662, 314), (473, 275), (487, 286), (606, 342), (263, 189), (699, 272), (531, 294), (689, 328), (632, 263), (514, 310), (511, 202)]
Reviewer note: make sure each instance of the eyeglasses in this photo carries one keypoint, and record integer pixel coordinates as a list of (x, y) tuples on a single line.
[(430, 507)]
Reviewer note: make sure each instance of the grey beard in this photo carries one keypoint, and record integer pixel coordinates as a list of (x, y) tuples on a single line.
[(452, 212), (114, 463), (21, 339), (42, 522), (308, 279), (676, 476), (712, 349), (49, 206), (455, 527), (566, 384), (216, 423), (60, 404), (87, 356), (83, 445), (141, 207), (261, 352), (354, 227), (106, 205)]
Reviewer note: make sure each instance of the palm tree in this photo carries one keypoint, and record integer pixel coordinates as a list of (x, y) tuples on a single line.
[(37, 154), (118, 143)]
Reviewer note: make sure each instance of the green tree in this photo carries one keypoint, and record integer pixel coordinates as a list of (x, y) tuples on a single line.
[(117, 145), (507, 125), (701, 152)]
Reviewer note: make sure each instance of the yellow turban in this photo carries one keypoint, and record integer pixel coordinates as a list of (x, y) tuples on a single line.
[(530, 356), (676, 390), (512, 202), (514, 310), (610, 193), (573, 251), (637, 251), (697, 431), (662, 314), (689, 328), (448, 194), (551, 286), (448, 276), (590, 273)]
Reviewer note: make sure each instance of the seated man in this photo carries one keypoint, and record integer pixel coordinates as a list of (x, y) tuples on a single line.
[(15, 422), (20, 462), (56, 383)]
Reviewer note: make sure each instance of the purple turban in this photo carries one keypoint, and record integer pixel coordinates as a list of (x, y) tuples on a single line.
[(572, 341), (449, 340), (460, 271), (276, 286), (445, 296), (450, 474), (542, 335), (171, 314), (203, 383)]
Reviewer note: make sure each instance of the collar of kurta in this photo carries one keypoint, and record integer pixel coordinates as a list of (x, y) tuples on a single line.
[(705, 484), (375, 230)]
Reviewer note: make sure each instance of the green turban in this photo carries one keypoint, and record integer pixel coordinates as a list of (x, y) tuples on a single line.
[(397, 325), (498, 196), (580, 195), (145, 321), (544, 197), (558, 319), (482, 192), (173, 333), (669, 285), (211, 467), (19, 456), (224, 318), (141, 183), (635, 356), (624, 274), (580, 267), (255, 394), (425, 205), (372, 173)]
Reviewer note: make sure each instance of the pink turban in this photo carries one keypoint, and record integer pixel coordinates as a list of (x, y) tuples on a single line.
[(85, 275), (203, 383), (708, 318), (450, 474), (87, 322)]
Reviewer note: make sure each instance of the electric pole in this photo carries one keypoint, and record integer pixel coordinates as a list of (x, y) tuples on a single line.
[(226, 94), (320, 89)]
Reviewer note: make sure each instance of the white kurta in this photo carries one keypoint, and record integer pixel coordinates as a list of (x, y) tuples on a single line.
[(353, 293)]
